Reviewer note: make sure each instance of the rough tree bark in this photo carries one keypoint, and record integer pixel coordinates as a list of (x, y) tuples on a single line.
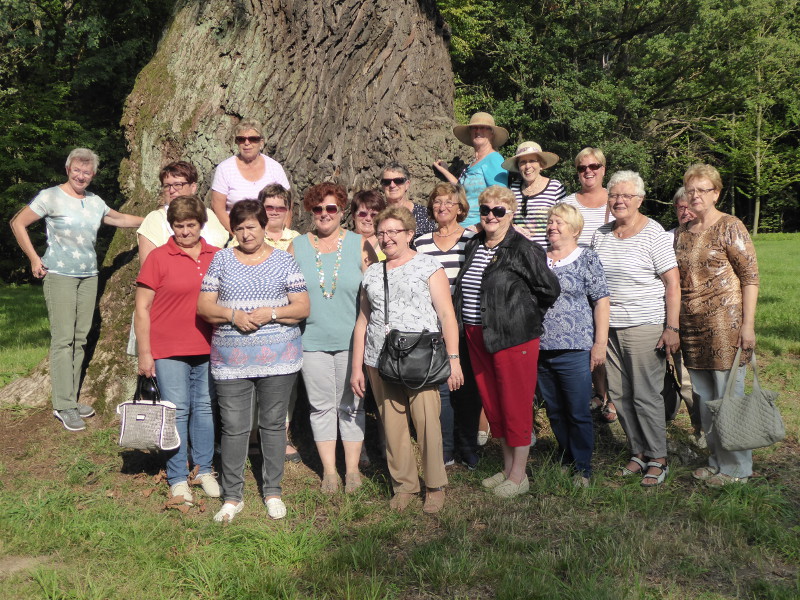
[(342, 87)]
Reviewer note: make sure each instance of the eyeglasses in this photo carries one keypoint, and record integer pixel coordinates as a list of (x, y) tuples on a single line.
[(390, 233), (497, 211), (253, 139), (593, 167), (386, 182), (276, 209), (699, 191), (331, 209), (447, 203), (363, 214), (168, 187), (624, 197)]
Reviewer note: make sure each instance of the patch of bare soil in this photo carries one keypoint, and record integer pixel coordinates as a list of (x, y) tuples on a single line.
[(9, 565)]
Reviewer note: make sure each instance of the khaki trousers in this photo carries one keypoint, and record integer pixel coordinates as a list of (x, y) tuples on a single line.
[(398, 406)]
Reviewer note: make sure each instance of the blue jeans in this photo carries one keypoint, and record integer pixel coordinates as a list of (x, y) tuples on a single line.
[(565, 381), (236, 398), (185, 381), (461, 410)]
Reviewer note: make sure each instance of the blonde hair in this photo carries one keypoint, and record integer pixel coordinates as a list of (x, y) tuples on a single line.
[(247, 125), (701, 170), (589, 151), (401, 213), (570, 215), (499, 193)]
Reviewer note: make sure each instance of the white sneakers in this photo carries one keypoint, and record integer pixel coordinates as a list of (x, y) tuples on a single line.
[(182, 489), (210, 485), (228, 512), (276, 509)]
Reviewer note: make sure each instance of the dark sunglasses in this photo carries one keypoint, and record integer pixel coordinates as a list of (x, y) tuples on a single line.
[(363, 214), (253, 139), (497, 211), (277, 209), (331, 209), (593, 167), (396, 180)]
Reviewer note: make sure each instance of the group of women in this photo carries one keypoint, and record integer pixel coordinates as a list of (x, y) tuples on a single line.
[(583, 294)]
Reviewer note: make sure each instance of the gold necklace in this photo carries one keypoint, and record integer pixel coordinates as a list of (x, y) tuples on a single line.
[(250, 257), (623, 234)]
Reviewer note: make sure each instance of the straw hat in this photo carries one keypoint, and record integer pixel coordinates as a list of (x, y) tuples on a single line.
[(546, 159), (481, 118)]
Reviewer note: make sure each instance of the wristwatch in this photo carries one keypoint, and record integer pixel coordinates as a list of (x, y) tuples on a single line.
[(274, 315)]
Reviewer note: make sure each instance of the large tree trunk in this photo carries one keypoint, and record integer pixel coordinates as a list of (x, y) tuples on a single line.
[(341, 88)]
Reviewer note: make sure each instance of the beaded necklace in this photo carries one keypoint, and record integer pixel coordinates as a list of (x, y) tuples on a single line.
[(318, 257)]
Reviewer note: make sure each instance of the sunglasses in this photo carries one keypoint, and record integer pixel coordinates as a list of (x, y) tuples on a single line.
[(396, 180), (497, 211), (593, 167), (277, 209), (253, 139), (331, 209), (363, 214)]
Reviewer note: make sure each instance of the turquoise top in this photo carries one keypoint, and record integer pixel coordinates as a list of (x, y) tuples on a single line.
[(476, 178), (329, 327)]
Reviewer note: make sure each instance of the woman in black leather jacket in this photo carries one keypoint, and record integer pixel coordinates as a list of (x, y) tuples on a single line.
[(502, 293)]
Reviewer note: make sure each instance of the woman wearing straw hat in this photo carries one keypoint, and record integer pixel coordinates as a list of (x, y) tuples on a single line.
[(485, 168), (536, 194)]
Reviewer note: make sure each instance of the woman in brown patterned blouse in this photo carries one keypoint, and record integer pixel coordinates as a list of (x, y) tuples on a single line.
[(719, 290)]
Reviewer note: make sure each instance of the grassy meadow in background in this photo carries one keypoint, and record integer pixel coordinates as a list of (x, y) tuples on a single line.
[(81, 518)]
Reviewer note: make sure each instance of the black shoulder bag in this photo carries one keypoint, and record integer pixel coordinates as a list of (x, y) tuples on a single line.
[(414, 359)]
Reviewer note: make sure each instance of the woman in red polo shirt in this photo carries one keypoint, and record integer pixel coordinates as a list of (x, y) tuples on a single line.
[(174, 343)]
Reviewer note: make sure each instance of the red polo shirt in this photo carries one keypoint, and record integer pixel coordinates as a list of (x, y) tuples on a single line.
[(175, 277)]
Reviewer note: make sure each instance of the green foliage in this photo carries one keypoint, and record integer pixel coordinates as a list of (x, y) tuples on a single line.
[(65, 71), (656, 87)]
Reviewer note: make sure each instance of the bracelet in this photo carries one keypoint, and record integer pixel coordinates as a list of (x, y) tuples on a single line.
[(675, 329), (233, 316), (451, 356)]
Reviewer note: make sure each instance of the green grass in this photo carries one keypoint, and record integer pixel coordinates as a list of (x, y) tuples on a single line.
[(777, 315), (72, 503), (24, 330)]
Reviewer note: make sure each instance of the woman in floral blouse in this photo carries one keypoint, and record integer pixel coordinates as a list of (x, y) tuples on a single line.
[(574, 340)]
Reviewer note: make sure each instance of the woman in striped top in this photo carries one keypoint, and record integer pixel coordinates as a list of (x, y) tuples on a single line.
[(501, 295), (535, 193), (592, 201), (447, 205), (642, 276)]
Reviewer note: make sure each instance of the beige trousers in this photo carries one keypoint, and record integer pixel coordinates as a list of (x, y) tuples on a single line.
[(398, 407)]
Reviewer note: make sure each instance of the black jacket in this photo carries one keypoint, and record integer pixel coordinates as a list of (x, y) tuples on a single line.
[(516, 291)]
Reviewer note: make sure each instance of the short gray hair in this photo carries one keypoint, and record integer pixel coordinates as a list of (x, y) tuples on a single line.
[(680, 194), (627, 177), (83, 155)]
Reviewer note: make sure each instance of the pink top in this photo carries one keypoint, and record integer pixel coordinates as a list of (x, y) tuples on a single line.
[(229, 181), (175, 328)]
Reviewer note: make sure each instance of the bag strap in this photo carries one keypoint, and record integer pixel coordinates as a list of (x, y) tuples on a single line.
[(732, 373), (427, 376), (385, 300), (137, 395)]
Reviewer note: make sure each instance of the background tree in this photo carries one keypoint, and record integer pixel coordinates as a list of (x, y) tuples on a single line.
[(341, 87)]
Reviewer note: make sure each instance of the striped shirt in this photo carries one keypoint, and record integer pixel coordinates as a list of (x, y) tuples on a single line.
[(633, 269), (531, 212), (451, 259), (592, 219), (471, 285)]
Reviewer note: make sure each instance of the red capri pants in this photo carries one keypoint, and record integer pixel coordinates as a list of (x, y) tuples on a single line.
[(507, 383)]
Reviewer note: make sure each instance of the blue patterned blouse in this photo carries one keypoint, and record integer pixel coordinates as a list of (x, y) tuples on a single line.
[(569, 323), (274, 349)]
